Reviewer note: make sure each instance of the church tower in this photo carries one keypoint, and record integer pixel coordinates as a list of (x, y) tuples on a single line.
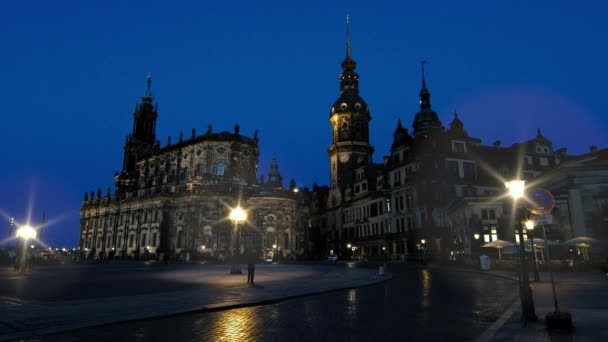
[(349, 118), (141, 143)]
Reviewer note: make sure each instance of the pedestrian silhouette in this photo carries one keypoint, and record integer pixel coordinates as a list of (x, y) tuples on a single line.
[(250, 269)]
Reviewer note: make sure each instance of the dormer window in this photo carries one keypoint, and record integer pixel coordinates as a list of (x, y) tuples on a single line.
[(459, 146)]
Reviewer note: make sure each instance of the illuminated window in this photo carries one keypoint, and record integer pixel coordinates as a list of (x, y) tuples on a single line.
[(486, 238)]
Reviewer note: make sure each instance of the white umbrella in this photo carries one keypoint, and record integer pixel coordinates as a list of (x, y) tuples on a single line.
[(499, 244), (583, 242)]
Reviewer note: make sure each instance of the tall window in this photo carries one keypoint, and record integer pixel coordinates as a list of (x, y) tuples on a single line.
[(219, 168), (179, 239), (469, 170)]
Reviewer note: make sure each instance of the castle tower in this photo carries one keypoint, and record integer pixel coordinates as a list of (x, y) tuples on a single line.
[(349, 118)]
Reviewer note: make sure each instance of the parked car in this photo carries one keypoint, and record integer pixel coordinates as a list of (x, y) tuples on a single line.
[(332, 257)]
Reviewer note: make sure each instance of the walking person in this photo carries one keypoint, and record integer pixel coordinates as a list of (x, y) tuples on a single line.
[(250, 270)]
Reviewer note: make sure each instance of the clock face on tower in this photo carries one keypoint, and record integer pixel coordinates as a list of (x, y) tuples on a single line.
[(344, 157)]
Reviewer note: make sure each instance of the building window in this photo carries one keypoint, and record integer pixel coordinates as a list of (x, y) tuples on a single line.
[(468, 170), (130, 240), (218, 169), (488, 214), (544, 161), (143, 240), (409, 201), (153, 242), (452, 167), (458, 146), (179, 239)]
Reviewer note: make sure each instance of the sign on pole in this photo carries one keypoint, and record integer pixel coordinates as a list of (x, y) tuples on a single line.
[(542, 202), (542, 219)]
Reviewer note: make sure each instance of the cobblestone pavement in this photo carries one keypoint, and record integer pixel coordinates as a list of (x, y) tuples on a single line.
[(417, 304)]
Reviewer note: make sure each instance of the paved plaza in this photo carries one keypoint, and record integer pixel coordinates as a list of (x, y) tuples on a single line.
[(322, 301), (124, 293)]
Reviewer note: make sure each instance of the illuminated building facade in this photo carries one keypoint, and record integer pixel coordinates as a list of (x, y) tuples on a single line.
[(176, 200)]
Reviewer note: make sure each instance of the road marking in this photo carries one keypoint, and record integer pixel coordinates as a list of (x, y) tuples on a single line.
[(491, 331)]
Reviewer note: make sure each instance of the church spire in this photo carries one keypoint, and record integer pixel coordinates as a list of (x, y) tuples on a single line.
[(349, 64), (425, 95), (347, 36), (147, 97)]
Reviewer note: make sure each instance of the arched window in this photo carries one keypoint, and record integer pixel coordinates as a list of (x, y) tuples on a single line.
[(179, 239), (219, 168)]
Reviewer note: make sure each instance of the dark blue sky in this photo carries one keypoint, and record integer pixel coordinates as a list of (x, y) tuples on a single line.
[(71, 73)]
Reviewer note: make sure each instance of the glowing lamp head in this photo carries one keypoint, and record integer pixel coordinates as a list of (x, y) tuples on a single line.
[(26, 233), (516, 188), (348, 245), (423, 241), (476, 236), (529, 225), (274, 246), (238, 215)]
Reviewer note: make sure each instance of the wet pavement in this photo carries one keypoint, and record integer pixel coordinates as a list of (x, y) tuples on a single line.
[(417, 304)]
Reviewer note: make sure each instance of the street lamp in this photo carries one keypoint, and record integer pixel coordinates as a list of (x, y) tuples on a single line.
[(25, 233), (530, 227), (237, 216), (516, 190)]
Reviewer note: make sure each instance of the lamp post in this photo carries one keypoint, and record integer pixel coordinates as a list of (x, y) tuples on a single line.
[(516, 190), (530, 227), (25, 233), (237, 216)]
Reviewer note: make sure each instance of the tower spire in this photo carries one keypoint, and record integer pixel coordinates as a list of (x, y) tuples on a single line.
[(425, 95), (349, 64), (148, 93), (348, 36), (422, 63)]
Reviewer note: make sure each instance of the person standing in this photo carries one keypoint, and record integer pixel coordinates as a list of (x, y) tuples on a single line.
[(250, 270)]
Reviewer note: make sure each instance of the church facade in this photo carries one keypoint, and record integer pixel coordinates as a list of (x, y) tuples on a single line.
[(176, 201)]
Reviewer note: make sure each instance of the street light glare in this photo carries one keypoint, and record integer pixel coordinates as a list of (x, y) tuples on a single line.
[(516, 188), (529, 224), (26, 232), (238, 215)]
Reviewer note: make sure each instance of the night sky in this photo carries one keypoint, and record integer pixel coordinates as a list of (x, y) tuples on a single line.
[(72, 71)]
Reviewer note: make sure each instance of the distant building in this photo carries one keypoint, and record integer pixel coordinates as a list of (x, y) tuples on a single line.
[(176, 200)]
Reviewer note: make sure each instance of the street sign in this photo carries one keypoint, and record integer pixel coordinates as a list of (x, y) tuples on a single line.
[(542, 202), (542, 219)]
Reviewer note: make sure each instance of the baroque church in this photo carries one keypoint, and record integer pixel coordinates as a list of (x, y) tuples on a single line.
[(176, 201)]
